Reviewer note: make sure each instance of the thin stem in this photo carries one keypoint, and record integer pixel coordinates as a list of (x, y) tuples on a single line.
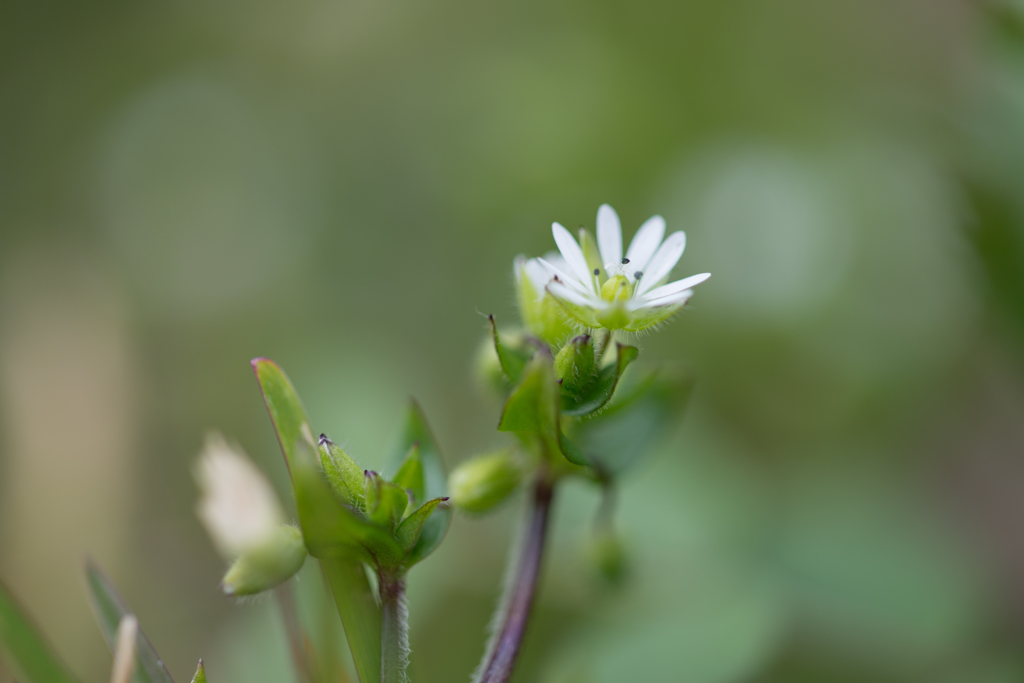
[(518, 600), (296, 638), (394, 636)]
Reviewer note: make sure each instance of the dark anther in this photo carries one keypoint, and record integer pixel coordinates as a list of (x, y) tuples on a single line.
[(597, 271), (323, 439), (638, 274), (625, 261)]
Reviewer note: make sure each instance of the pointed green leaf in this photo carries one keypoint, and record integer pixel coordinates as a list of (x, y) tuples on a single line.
[(602, 391), (532, 408), (24, 647), (410, 474), (359, 612), (200, 676), (575, 366), (512, 359), (435, 476), (408, 532), (109, 607), (286, 412)]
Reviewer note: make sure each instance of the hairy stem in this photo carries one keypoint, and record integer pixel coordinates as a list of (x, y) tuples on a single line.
[(394, 634), (517, 602)]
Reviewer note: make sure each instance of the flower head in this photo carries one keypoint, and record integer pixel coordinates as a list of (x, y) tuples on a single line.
[(238, 506), (619, 292)]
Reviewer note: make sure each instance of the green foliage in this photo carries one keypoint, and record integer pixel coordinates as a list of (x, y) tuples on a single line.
[(597, 396), (511, 358), (343, 474), (410, 475), (575, 365), (109, 608), (360, 614), (25, 648), (200, 675)]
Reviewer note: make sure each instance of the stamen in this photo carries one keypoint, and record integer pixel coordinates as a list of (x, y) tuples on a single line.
[(625, 261), (638, 274), (597, 271)]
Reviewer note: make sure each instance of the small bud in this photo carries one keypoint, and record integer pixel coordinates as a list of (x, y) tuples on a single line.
[(608, 554), (574, 364), (342, 472), (479, 484), (268, 565), (238, 506)]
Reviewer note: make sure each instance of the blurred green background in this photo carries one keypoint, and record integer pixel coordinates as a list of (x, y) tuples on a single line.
[(342, 185)]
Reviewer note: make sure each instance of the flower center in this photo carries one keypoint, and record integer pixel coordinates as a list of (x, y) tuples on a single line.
[(616, 288)]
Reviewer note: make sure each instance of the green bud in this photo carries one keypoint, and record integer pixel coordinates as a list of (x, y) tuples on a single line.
[(479, 484), (271, 563), (541, 314), (608, 555), (616, 288), (385, 502), (574, 364), (343, 474)]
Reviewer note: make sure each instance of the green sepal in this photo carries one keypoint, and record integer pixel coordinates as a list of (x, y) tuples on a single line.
[(415, 430), (24, 647), (511, 358), (574, 365), (485, 481), (200, 676), (267, 566), (585, 315), (408, 532), (590, 251), (343, 474), (409, 476), (385, 502), (539, 311), (109, 608), (360, 614), (602, 391), (649, 317)]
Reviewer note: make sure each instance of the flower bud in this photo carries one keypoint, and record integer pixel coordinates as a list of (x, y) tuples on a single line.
[(272, 563), (540, 313), (574, 364), (479, 484), (238, 506), (342, 472)]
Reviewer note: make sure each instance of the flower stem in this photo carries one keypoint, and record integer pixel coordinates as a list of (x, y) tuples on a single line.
[(296, 638), (517, 602), (394, 636)]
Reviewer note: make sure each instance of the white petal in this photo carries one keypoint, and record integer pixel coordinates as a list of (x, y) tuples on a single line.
[(677, 297), (562, 292), (677, 286), (573, 255), (555, 259), (645, 243), (662, 262), (538, 274), (565, 278), (609, 235)]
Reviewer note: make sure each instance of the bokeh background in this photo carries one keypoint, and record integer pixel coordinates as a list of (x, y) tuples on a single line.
[(342, 185)]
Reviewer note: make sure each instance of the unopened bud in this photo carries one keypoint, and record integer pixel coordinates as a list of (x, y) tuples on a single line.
[(479, 484), (268, 565), (343, 474), (238, 506), (574, 364)]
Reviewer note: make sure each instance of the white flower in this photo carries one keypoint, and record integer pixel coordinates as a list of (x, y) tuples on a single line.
[(238, 506), (628, 292)]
